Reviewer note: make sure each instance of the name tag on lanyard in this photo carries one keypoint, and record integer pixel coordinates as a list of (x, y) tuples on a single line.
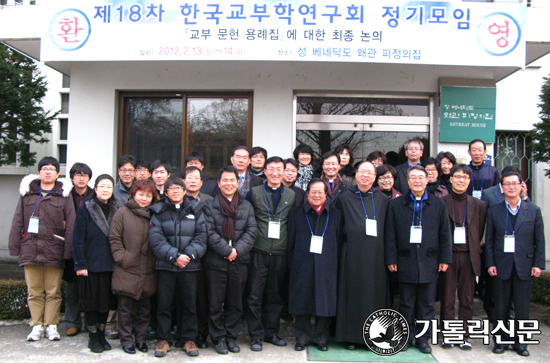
[(477, 194), (371, 227), (274, 230), (416, 234), (316, 245), (509, 243), (460, 236), (33, 225)]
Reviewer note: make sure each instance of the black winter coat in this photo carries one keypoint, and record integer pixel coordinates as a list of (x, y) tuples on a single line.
[(418, 262), (178, 231), (91, 248), (245, 235)]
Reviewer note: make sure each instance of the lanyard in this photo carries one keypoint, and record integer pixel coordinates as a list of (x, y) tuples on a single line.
[(464, 222), (514, 229), (120, 194), (373, 209), (38, 200), (496, 193), (326, 225), (414, 212), (274, 207)]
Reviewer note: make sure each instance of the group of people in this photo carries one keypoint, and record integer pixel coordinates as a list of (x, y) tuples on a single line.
[(183, 257)]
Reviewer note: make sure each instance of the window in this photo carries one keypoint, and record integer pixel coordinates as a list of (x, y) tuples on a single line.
[(512, 149), (153, 127), (63, 128), (62, 153), (66, 81), (64, 103)]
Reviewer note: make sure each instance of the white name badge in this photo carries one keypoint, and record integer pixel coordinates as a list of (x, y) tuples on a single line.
[(509, 243), (416, 234), (477, 194), (460, 236), (33, 225), (316, 245), (371, 227), (230, 243), (274, 230)]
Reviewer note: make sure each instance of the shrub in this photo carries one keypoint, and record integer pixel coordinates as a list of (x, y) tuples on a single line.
[(13, 300), (541, 290)]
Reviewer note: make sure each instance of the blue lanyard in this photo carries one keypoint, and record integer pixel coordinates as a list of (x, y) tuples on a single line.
[(372, 197), (120, 194), (465, 213), (326, 225), (514, 229), (274, 207), (414, 212), (38, 200)]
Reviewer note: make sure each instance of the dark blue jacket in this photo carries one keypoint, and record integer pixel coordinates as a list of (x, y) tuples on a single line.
[(483, 177), (175, 232), (91, 248)]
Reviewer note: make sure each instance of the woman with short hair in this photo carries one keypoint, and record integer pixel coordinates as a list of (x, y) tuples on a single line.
[(447, 160), (303, 154), (134, 277), (385, 176), (435, 186), (93, 260), (347, 171)]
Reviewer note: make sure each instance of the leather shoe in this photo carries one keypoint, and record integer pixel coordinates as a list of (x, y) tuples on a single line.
[(71, 332), (275, 340), (201, 343), (142, 347), (522, 351), (351, 346), (299, 347), (498, 349), (256, 346), (221, 346), (232, 346), (322, 347), (423, 347), (130, 349)]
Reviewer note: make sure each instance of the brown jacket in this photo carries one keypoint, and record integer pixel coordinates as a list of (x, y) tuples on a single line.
[(134, 275), (53, 242), (475, 226)]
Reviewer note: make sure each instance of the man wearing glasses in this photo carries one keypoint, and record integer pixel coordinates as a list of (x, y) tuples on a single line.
[(467, 216), (126, 174), (515, 254), (414, 150), (417, 247)]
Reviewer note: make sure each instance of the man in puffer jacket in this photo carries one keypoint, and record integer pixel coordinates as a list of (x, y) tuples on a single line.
[(177, 235), (41, 235)]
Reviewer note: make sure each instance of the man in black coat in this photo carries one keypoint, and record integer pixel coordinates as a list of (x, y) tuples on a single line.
[(178, 238), (240, 159), (289, 181), (515, 254), (195, 158), (418, 251), (414, 149), (231, 235), (314, 235), (484, 176), (336, 185)]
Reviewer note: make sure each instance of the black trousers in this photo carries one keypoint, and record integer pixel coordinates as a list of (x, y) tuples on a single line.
[(303, 330), (186, 284), (486, 286), (265, 284), (142, 317), (417, 301), (518, 291), (225, 294), (202, 305)]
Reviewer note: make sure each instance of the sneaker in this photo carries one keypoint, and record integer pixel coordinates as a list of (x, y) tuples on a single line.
[(52, 333), (191, 349), (466, 345), (36, 333), (162, 348)]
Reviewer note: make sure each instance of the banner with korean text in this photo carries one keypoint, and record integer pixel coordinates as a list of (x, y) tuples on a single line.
[(413, 32)]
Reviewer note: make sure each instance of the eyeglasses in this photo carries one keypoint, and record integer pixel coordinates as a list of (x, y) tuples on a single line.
[(514, 184), (127, 171), (431, 170), (81, 175), (316, 192), (175, 189), (461, 177), (141, 171), (192, 178), (104, 187), (330, 164), (48, 170), (419, 178), (272, 170), (385, 178), (413, 148), (367, 172)]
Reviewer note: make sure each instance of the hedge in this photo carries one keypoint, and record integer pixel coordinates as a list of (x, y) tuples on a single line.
[(13, 300)]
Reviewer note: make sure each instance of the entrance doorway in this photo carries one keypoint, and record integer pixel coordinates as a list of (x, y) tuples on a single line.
[(366, 124)]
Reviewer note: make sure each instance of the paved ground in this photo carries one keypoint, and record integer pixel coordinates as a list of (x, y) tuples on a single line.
[(14, 347)]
